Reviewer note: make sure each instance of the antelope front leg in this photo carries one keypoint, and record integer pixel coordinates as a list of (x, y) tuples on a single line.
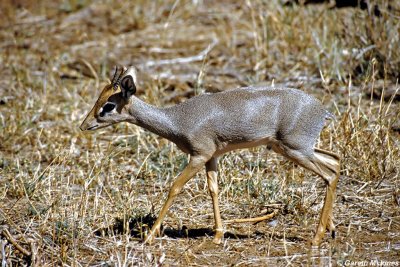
[(195, 164), (211, 169)]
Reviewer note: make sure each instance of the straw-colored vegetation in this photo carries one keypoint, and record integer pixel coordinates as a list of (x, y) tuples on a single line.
[(67, 197)]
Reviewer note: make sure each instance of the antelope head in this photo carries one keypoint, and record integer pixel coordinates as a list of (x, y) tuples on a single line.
[(110, 107)]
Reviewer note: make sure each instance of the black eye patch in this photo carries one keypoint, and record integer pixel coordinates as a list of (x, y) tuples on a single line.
[(107, 108)]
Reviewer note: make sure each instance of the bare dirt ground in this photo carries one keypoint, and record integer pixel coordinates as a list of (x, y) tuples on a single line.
[(85, 199)]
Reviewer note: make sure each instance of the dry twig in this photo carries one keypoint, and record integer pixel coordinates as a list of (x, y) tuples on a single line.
[(254, 220), (7, 235)]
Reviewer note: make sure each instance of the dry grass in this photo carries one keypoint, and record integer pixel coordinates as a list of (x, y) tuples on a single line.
[(64, 194)]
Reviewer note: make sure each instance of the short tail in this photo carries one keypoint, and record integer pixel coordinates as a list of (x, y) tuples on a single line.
[(329, 116)]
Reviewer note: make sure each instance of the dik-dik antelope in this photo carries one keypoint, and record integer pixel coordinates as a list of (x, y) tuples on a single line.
[(206, 126)]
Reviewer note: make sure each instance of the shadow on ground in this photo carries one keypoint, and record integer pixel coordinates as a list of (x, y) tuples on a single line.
[(137, 227)]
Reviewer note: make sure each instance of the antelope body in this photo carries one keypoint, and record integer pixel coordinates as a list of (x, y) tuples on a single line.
[(206, 126)]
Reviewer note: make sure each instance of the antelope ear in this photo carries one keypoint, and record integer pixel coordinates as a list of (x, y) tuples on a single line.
[(128, 87)]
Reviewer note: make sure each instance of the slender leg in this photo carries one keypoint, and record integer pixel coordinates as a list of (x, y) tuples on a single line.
[(195, 164), (211, 169), (329, 166), (326, 218), (326, 165)]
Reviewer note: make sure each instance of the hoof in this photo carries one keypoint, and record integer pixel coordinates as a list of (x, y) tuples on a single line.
[(316, 242), (149, 239), (218, 237), (217, 241), (333, 234)]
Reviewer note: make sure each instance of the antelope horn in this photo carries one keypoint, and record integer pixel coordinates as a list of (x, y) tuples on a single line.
[(119, 71)]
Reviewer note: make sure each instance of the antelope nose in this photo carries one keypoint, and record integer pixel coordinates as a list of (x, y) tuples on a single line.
[(84, 125)]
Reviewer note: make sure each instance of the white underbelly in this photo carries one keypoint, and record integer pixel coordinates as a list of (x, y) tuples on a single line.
[(229, 147)]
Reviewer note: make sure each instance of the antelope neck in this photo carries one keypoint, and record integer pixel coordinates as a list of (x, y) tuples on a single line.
[(152, 118)]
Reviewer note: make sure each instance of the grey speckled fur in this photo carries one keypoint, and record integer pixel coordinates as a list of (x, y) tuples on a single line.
[(284, 115)]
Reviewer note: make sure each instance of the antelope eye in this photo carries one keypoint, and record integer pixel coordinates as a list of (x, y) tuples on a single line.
[(106, 108)]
